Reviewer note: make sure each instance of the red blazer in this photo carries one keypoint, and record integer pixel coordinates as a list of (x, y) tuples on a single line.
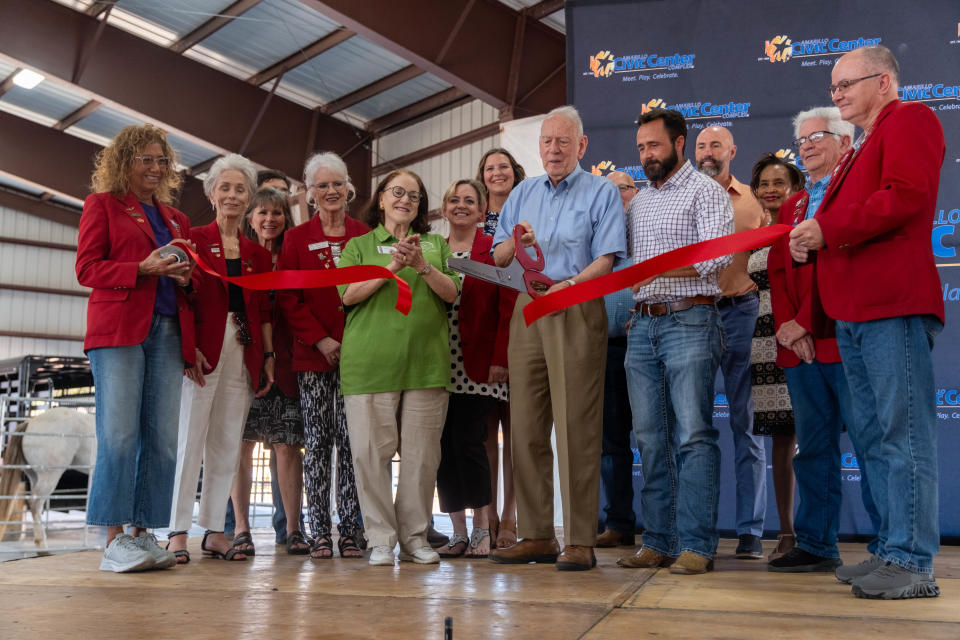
[(485, 312), (877, 217), (312, 314), (213, 299), (115, 236), (793, 293)]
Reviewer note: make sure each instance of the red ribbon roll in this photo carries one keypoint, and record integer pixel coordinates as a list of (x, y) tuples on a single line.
[(311, 278), (682, 257)]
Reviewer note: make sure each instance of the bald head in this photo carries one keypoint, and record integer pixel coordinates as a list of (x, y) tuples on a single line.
[(625, 183), (715, 150), (863, 82)]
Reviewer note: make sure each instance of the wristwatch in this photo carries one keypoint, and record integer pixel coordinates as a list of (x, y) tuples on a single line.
[(269, 354), (425, 270)]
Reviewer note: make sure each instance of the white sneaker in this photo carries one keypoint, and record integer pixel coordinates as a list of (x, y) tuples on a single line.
[(381, 555), (162, 558), (423, 555), (123, 554)]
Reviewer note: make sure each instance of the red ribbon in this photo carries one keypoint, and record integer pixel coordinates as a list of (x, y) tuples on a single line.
[(682, 257), (312, 278)]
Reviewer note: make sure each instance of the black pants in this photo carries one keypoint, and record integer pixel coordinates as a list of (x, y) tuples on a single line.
[(463, 478)]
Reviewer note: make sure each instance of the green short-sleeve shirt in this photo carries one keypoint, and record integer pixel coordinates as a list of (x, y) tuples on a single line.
[(384, 350)]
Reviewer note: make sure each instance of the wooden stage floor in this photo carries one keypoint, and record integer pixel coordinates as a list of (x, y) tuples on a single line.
[(279, 596)]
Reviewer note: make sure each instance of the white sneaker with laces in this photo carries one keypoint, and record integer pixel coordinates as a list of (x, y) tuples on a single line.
[(162, 558), (382, 555), (423, 555), (124, 554)]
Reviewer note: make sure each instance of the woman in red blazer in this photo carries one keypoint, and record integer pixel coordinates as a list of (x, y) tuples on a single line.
[(139, 338), (316, 318), (479, 323), (233, 329)]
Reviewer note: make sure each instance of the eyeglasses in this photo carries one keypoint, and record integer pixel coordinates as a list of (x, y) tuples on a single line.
[(626, 187), (843, 85), (398, 192), (148, 161), (814, 137), (323, 186)]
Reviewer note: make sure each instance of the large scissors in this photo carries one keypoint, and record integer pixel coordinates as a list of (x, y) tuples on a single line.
[(523, 274)]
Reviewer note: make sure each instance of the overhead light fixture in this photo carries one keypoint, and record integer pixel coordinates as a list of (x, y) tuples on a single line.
[(27, 79)]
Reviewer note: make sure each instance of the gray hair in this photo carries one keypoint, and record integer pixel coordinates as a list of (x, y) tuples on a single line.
[(882, 59), (570, 113), (835, 124), (231, 162), (331, 162)]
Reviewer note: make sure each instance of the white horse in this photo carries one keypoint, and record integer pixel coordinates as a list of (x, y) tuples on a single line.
[(47, 456)]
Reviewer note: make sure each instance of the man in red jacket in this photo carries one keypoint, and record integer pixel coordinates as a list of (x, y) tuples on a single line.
[(876, 276)]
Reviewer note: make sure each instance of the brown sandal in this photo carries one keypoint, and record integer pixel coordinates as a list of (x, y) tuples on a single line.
[(231, 554), (322, 548), (348, 547)]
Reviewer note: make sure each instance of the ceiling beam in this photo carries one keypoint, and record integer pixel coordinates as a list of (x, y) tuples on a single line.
[(99, 6), (178, 93), (543, 8), (212, 25), (436, 149), (427, 107), (34, 206), (328, 41), (7, 83), (398, 27), (78, 115), (455, 32), (372, 89)]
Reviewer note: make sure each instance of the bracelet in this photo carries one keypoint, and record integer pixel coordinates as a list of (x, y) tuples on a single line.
[(570, 282), (269, 354), (425, 270)]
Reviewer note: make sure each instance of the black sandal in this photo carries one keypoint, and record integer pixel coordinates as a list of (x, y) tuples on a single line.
[(243, 538), (349, 544), (181, 554), (323, 543), (231, 554), (296, 538)]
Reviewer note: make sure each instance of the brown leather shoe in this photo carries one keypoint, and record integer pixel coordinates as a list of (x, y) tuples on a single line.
[(576, 558), (614, 538), (691, 563), (646, 558), (528, 550)]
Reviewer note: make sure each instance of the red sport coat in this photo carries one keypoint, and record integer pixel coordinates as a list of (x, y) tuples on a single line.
[(213, 299), (485, 312), (793, 293), (313, 314), (115, 236), (877, 219)]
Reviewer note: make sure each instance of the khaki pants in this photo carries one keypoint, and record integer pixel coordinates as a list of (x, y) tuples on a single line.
[(556, 377), (379, 423)]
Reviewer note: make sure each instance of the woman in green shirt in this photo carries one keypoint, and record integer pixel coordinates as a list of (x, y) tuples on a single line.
[(395, 369)]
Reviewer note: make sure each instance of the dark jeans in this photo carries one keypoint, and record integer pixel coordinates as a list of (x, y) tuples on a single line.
[(616, 463)]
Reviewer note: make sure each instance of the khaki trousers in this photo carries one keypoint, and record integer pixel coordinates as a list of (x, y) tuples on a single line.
[(379, 424), (556, 377)]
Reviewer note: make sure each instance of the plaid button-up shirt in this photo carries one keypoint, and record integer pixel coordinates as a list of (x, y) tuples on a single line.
[(687, 208)]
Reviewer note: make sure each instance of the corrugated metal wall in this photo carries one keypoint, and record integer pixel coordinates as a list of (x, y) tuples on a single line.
[(439, 171), (39, 314)]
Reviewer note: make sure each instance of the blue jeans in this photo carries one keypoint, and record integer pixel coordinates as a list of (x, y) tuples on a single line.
[(616, 462), (890, 373), (739, 319), (138, 408), (821, 406), (671, 365)]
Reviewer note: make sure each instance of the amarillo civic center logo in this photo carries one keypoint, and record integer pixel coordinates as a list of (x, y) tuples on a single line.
[(947, 94), (604, 165), (789, 156), (701, 110), (601, 64), (778, 48), (656, 103)]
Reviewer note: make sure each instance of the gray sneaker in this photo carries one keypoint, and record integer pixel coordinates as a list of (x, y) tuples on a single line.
[(893, 582), (850, 572), (162, 558), (124, 554)]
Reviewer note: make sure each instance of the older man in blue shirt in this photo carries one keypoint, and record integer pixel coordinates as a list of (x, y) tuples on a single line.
[(557, 364)]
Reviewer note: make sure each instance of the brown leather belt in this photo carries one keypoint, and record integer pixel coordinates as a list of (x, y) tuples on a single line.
[(663, 308)]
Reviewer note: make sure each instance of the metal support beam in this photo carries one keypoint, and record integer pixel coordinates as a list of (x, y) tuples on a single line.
[(372, 89), (429, 106), (7, 83), (36, 207), (78, 115), (256, 121), (99, 6), (23, 242), (454, 32), (55, 292), (89, 47), (40, 336), (323, 44), (178, 93), (543, 8), (513, 77), (398, 27), (212, 25), (434, 150)]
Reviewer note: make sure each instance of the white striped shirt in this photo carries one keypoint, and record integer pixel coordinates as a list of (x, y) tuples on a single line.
[(687, 208)]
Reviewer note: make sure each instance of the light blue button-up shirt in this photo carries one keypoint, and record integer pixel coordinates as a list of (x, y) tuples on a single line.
[(575, 223), (816, 191)]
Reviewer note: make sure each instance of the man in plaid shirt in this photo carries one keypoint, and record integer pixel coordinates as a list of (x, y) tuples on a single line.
[(673, 350)]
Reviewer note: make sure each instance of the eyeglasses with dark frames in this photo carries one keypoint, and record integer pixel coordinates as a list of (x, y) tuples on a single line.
[(843, 85), (398, 192)]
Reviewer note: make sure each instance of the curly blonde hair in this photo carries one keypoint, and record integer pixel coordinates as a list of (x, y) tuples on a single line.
[(113, 164)]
